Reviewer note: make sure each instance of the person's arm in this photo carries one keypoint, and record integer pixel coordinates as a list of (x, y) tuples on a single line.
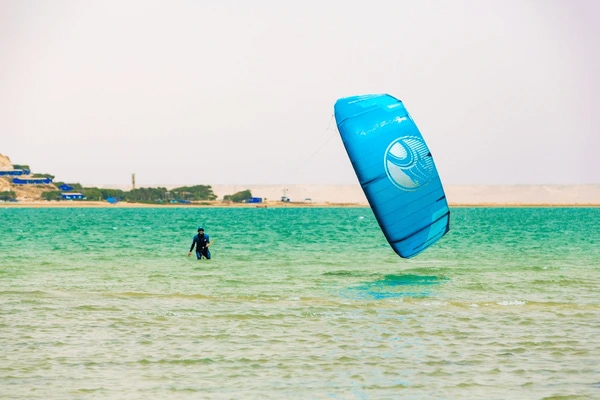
[(192, 248), (208, 243)]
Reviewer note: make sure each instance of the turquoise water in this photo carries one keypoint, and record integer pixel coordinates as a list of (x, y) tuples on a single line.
[(303, 303)]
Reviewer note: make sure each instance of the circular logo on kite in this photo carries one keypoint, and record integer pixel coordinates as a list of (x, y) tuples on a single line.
[(408, 163)]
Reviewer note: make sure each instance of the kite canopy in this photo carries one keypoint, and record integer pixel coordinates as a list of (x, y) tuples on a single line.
[(395, 169)]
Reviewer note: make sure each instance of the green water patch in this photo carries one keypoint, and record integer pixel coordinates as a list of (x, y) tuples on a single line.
[(396, 286)]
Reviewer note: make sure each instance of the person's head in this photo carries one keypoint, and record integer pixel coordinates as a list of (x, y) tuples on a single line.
[(200, 229)]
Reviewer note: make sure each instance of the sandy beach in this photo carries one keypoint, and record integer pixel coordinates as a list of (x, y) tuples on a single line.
[(308, 195), (353, 196), (457, 195)]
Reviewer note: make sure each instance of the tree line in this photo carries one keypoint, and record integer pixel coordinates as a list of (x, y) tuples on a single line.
[(182, 194)]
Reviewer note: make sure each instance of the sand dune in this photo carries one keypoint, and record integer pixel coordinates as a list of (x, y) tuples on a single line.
[(456, 194), (524, 194)]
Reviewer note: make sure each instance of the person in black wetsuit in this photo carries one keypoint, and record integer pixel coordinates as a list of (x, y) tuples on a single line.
[(201, 242)]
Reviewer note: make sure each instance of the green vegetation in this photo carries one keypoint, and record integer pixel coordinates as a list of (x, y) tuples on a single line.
[(141, 195), (238, 197), (76, 186), (195, 193), (52, 195), (93, 193), (147, 195), (184, 194), (43, 176), (8, 196)]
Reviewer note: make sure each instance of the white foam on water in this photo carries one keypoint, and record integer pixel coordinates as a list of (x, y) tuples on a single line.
[(511, 303)]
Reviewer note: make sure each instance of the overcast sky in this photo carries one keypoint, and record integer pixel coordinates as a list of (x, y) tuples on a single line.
[(234, 92)]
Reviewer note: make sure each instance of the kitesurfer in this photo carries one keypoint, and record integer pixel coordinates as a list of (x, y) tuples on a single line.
[(201, 242)]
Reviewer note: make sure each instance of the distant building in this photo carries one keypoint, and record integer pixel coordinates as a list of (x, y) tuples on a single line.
[(65, 188), (71, 196), (254, 200), (32, 181), (14, 172)]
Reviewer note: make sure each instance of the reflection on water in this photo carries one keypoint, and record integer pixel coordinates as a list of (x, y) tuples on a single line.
[(393, 286)]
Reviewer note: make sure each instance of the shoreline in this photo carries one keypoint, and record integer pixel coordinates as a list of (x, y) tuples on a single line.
[(219, 204), (308, 195), (207, 204)]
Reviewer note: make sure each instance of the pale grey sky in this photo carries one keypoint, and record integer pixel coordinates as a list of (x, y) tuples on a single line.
[(234, 92)]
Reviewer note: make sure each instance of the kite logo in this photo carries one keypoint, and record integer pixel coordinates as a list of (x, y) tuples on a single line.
[(408, 163)]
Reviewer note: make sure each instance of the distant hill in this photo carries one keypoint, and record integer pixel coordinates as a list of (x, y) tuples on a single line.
[(5, 163), (23, 192)]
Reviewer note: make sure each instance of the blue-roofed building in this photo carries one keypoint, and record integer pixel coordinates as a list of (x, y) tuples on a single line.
[(254, 200), (71, 196), (14, 172), (32, 181), (65, 188)]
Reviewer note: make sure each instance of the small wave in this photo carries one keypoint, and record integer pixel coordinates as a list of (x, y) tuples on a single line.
[(183, 361), (411, 280), (343, 273), (511, 303)]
